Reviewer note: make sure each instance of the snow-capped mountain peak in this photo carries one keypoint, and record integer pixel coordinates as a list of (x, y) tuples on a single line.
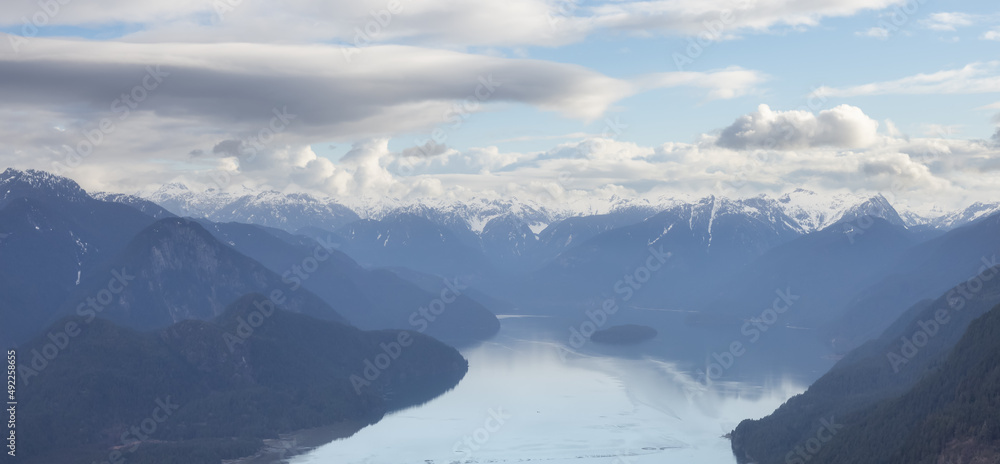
[(32, 183)]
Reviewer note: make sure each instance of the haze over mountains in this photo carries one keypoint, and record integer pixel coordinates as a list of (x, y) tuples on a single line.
[(520, 235), (810, 211), (820, 289), (752, 246)]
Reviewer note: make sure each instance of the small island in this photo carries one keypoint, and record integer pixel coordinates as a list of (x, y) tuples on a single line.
[(628, 334)]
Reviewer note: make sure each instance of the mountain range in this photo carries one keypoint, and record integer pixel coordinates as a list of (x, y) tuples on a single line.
[(213, 398), (169, 273), (869, 388), (67, 253)]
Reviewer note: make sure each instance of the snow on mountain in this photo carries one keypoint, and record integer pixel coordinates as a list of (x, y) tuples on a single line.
[(474, 213), (973, 213), (286, 211), (809, 211), (269, 208), (34, 184), (704, 216), (876, 206), (148, 207), (293, 211), (814, 212), (180, 200)]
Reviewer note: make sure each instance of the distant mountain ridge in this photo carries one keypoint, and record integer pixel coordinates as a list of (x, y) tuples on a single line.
[(510, 234), (59, 246), (267, 208), (292, 211)]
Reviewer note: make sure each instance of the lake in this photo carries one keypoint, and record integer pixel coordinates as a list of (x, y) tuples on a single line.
[(526, 397)]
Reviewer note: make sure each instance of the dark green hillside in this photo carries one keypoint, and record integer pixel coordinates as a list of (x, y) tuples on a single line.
[(175, 270), (865, 376), (290, 372), (953, 415)]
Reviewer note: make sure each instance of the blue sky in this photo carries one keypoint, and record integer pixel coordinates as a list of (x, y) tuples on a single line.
[(920, 81), (796, 61)]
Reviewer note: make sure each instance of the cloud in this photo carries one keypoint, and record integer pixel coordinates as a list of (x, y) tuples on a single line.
[(692, 17), (978, 77), (448, 23), (242, 115), (436, 22), (228, 148), (941, 130), (844, 126), (875, 32), (892, 130), (728, 83), (949, 21), (836, 152), (101, 12), (991, 35), (385, 90), (429, 149)]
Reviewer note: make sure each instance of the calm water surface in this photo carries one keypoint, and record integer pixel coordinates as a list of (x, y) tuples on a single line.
[(527, 398)]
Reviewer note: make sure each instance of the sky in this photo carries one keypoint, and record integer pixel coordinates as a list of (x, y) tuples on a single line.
[(556, 101)]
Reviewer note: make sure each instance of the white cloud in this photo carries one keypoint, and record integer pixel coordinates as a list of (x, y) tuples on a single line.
[(100, 12), (723, 84), (835, 151), (875, 32), (844, 126), (385, 90), (692, 17), (949, 21), (212, 118), (449, 23), (892, 130), (979, 77), (941, 130), (992, 35)]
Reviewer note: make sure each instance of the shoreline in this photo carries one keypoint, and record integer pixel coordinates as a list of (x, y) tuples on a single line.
[(289, 445)]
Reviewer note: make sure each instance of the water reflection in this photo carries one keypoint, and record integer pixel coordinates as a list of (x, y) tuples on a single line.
[(527, 399)]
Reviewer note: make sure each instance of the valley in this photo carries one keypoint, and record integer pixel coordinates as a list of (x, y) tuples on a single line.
[(643, 334)]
